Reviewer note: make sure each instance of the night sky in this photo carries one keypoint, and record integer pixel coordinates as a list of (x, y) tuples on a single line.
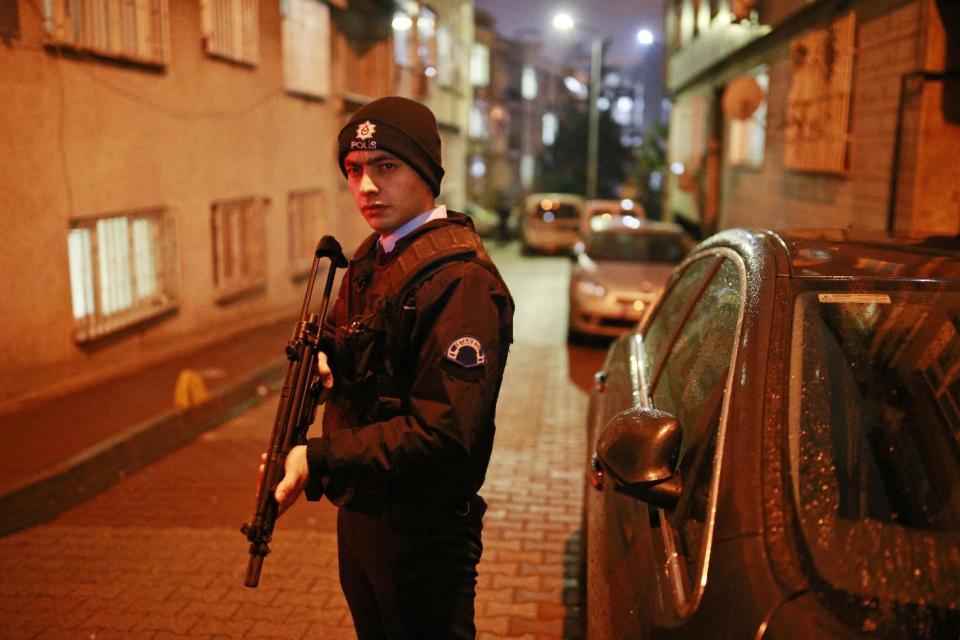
[(617, 20)]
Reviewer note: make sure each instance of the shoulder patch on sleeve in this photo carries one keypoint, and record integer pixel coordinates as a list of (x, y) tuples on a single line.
[(466, 351)]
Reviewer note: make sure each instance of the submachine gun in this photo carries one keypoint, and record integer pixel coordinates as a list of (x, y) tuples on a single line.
[(296, 410)]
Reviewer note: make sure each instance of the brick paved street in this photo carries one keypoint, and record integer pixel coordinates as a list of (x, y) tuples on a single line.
[(159, 555)]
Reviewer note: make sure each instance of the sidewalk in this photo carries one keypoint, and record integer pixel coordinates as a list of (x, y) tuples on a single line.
[(63, 451)]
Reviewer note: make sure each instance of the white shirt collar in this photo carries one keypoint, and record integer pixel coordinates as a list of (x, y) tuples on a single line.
[(389, 241)]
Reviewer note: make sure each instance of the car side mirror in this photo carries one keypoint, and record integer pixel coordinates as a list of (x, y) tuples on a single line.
[(639, 449)]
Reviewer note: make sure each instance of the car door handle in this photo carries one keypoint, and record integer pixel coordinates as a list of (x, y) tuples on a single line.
[(595, 473)]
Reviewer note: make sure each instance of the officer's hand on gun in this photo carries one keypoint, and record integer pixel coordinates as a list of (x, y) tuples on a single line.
[(295, 469)]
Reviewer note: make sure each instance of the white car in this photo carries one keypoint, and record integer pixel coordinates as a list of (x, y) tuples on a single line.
[(551, 222), (618, 274)]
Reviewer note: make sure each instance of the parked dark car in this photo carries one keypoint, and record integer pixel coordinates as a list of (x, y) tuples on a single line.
[(775, 450)]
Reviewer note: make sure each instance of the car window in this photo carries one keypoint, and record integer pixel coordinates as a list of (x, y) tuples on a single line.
[(691, 386), (636, 247), (555, 211), (874, 439), (671, 309)]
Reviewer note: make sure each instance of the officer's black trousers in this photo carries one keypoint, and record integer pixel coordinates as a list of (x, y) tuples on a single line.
[(411, 573)]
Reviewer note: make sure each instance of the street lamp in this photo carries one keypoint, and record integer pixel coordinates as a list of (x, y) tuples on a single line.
[(565, 22)]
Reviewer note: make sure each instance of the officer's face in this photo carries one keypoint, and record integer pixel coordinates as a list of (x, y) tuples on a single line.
[(387, 190)]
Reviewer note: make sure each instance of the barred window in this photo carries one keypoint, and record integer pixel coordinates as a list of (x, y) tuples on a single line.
[(448, 64), (404, 36), (818, 101), (528, 83), (231, 29), (747, 137), (427, 41), (136, 30), (239, 253), (306, 211), (477, 124), (479, 65), (121, 270), (306, 47)]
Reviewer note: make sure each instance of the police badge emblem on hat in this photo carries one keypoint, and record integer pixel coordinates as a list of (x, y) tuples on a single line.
[(365, 130), (466, 351), (364, 140)]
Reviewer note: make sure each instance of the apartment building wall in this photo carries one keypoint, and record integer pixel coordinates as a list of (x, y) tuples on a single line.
[(873, 189), (509, 137), (87, 137), (440, 79)]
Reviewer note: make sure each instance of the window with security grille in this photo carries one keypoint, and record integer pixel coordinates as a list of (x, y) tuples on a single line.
[(239, 253), (427, 41), (135, 30), (231, 29), (479, 65), (818, 101), (306, 211), (747, 136), (404, 35), (306, 47), (121, 270), (449, 54)]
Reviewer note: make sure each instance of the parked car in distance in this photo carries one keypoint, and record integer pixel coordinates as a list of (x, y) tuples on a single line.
[(774, 451), (486, 222), (551, 222), (618, 272), (599, 211)]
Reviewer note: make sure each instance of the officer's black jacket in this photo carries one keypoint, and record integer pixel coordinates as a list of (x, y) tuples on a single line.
[(411, 414)]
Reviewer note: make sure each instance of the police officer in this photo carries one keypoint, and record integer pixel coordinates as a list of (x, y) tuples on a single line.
[(414, 353)]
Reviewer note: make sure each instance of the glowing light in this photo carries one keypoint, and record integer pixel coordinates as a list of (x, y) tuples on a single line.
[(548, 216), (645, 37), (575, 86), (546, 204), (401, 22), (478, 168), (677, 168), (563, 22), (626, 204), (638, 305), (632, 222)]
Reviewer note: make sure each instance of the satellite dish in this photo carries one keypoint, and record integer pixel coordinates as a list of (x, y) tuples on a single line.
[(741, 97)]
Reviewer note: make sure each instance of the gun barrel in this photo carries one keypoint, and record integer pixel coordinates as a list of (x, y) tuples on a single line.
[(295, 410), (254, 565)]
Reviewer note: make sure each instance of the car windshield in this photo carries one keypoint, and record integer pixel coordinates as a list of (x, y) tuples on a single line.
[(610, 214), (875, 440), (555, 211), (636, 247)]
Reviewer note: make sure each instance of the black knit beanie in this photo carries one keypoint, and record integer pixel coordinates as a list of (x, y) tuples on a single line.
[(401, 126)]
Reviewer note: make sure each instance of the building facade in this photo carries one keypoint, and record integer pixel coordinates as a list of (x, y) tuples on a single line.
[(826, 113), (519, 97), (167, 166)]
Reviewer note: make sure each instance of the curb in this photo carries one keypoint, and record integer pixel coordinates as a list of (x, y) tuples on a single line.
[(49, 493)]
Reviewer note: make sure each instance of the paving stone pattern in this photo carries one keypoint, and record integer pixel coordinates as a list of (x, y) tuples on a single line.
[(159, 555)]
